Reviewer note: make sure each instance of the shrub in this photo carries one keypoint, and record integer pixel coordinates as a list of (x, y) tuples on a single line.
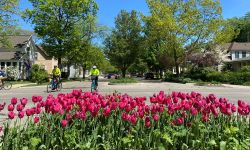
[(200, 73), (12, 73), (245, 69), (217, 76), (38, 74)]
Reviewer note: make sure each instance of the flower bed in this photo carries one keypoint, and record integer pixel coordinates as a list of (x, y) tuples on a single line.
[(92, 121)]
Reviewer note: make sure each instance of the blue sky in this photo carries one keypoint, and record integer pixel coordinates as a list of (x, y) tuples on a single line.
[(108, 9)]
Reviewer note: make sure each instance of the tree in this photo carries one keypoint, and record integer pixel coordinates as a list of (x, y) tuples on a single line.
[(123, 45), (178, 26), (56, 22), (242, 26), (85, 53), (7, 23)]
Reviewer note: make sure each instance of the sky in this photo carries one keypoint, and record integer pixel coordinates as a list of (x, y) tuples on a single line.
[(108, 10)]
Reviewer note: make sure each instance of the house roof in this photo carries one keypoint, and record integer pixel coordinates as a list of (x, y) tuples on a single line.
[(18, 40), (40, 49), (7, 56), (239, 46)]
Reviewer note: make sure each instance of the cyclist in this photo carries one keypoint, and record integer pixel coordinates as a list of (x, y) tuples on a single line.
[(2, 76), (94, 73), (56, 72)]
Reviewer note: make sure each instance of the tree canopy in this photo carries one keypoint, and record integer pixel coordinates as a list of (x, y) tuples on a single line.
[(177, 26), (124, 44), (57, 23), (7, 23)]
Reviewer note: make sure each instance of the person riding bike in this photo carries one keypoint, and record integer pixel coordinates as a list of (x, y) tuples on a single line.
[(2, 76), (56, 72), (94, 73)]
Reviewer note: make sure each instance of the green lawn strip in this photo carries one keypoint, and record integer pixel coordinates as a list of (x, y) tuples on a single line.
[(123, 81)]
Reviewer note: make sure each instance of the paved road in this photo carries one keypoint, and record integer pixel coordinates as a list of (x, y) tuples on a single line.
[(233, 93)]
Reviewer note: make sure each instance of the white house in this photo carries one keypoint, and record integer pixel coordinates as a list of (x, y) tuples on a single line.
[(23, 54), (236, 54)]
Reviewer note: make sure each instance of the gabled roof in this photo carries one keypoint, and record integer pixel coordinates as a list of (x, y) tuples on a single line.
[(240, 46), (7, 56), (17, 40), (40, 49)]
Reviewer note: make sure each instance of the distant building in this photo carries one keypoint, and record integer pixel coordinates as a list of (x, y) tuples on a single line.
[(235, 54), (23, 54)]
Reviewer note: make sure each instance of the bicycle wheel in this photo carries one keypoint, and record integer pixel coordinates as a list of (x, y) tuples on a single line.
[(59, 86), (7, 85), (49, 88), (93, 87)]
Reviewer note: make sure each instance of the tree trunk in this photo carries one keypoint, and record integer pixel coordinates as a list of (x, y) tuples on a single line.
[(59, 62), (161, 74), (176, 63), (68, 70), (124, 73), (83, 71)]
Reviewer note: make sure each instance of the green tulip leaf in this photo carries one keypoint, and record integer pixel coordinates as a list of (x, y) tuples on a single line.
[(212, 142), (223, 145), (35, 141)]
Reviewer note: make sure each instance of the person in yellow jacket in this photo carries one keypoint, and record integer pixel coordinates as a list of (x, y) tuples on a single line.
[(56, 72), (94, 73)]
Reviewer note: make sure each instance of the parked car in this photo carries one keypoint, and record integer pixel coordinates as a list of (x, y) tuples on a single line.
[(112, 76), (149, 75)]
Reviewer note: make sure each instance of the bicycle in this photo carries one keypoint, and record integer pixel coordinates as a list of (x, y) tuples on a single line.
[(5, 85), (93, 84), (54, 86)]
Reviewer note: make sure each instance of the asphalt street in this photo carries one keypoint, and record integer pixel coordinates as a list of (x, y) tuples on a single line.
[(146, 88)]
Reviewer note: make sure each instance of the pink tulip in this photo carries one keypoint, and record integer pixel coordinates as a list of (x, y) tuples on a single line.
[(11, 115), (147, 124), (106, 111), (193, 111), (155, 117), (36, 119), (124, 116), (14, 101), (28, 112), (20, 114), (2, 106), (19, 107), (68, 117), (11, 107), (233, 108), (141, 114), (133, 119), (64, 123), (24, 101)]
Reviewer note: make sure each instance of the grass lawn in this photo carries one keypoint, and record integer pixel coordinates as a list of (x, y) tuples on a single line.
[(123, 80)]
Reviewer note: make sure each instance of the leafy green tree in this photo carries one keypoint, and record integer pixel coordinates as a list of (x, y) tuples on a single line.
[(56, 22), (177, 26), (124, 44), (7, 23), (242, 26)]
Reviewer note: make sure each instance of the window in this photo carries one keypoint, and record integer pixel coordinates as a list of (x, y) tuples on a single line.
[(20, 65), (15, 64), (244, 54), (2, 65), (237, 54), (8, 64), (36, 56)]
